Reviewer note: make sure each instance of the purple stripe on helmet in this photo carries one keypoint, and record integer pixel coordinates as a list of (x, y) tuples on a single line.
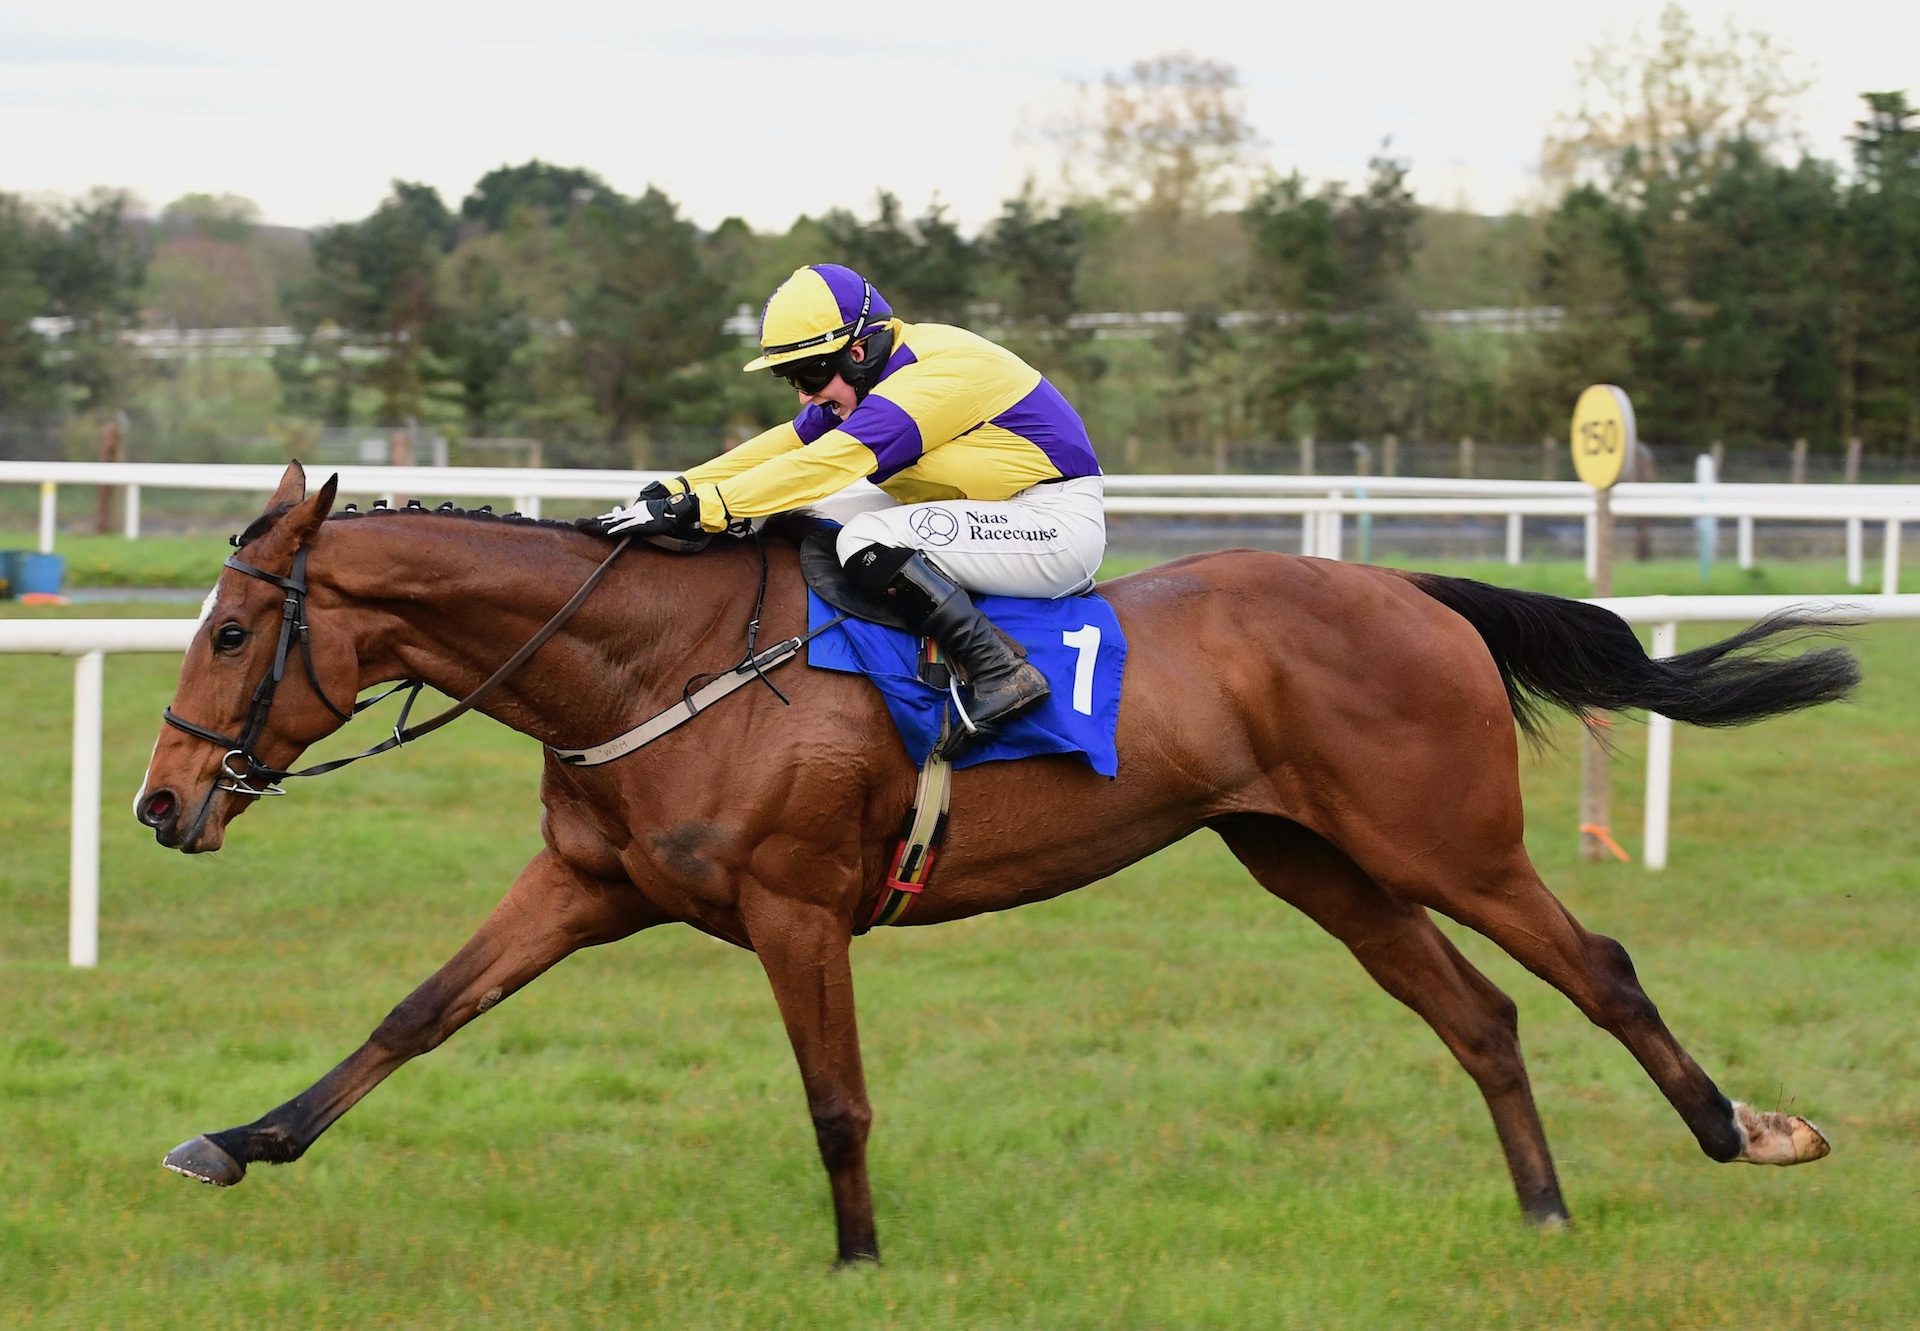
[(893, 435), (849, 290), (1047, 421)]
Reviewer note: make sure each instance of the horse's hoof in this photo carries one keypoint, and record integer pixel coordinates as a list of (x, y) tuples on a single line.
[(205, 1162), (1774, 1138)]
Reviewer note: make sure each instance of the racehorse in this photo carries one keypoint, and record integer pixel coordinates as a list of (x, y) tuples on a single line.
[(1348, 731)]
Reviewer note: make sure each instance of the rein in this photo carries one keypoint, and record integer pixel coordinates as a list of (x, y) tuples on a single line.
[(293, 623)]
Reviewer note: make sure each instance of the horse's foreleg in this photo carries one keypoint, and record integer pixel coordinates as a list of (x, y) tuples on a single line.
[(550, 911), (804, 951), (1406, 953)]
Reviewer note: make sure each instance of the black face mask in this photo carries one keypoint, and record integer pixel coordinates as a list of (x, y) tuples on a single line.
[(878, 346)]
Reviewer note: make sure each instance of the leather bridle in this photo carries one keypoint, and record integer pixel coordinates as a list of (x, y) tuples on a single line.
[(253, 777)]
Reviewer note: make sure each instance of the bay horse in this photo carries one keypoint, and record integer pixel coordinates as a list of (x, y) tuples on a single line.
[(1348, 731)]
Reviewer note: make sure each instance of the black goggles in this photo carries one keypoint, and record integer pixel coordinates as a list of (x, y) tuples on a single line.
[(811, 375)]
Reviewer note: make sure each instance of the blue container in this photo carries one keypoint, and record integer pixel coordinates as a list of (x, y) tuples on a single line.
[(34, 572), (10, 571)]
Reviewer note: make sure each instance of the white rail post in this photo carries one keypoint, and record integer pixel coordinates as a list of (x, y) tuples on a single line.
[(1309, 533), (1856, 574), (83, 918), (1659, 763), (1745, 541), (1334, 531), (1593, 548), (1890, 559), (130, 521), (1513, 540), (1705, 477), (48, 491)]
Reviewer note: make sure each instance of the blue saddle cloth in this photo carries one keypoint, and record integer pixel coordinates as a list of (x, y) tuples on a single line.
[(1076, 643)]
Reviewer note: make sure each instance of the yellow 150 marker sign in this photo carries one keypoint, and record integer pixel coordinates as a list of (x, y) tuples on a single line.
[(1603, 435)]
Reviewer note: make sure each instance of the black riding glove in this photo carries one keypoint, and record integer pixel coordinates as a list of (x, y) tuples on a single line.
[(657, 511)]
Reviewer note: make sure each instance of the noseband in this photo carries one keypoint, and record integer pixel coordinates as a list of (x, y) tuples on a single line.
[(253, 777)]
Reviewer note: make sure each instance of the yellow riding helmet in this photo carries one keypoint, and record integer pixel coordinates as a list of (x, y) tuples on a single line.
[(820, 309)]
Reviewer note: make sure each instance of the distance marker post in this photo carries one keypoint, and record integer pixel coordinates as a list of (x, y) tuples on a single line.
[(1604, 440)]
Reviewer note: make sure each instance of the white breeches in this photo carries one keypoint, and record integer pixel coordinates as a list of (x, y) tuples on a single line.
[(1045, 542)]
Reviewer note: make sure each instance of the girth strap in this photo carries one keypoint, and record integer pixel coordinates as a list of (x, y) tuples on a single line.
[(922, 832), (683, 711)]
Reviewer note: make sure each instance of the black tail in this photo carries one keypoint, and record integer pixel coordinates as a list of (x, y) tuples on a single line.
[(1552, 651)]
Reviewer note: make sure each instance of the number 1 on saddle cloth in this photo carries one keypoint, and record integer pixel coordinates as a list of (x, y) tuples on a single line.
[(1076, 642)]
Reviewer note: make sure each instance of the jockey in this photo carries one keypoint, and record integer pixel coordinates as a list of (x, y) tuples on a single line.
[(986, 479)]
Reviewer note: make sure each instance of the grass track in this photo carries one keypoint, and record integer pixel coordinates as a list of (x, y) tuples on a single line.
[(1161, 1102)]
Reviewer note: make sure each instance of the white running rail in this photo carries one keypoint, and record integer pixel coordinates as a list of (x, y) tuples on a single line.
[(1321, 503)]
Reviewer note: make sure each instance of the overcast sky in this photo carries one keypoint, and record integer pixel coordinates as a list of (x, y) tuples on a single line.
[(763, 111)]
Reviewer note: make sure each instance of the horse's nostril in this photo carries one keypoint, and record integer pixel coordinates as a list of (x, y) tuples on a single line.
[(157, 808)]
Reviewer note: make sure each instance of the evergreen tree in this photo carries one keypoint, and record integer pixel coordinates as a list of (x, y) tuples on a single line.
[(1761, 356), (648, 318), (552, 191), (25, 381), (1882, 325), (1333, 269), (91, 273), (375, 280)]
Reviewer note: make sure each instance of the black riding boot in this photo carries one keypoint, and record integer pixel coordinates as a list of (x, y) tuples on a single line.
[(1003, 684)]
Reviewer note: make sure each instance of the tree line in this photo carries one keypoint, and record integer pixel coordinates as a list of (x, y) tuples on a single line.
[(1741, 292)]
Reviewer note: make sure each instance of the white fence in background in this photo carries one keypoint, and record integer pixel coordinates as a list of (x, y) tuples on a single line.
[(91, 640), (1666, 614), (1321, 504)]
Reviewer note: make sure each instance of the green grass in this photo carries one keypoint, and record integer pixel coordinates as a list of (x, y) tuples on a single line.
[(1166, 1101)]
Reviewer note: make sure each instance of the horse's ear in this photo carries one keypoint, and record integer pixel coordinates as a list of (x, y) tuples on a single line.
[(296, 529), (310, 512), (293, 485)]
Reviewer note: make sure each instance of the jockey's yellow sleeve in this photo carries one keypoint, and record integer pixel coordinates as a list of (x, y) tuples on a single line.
[(767, 444), (953, 416)]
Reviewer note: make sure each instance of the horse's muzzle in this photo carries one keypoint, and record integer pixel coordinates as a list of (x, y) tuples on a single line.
[(158, 809), (161, 810)]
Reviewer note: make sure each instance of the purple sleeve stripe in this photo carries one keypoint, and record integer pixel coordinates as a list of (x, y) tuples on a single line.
[(814, 422), (1046, 420), (888, 431)]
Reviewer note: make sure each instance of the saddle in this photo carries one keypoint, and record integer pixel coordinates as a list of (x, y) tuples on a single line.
[(820, 566)]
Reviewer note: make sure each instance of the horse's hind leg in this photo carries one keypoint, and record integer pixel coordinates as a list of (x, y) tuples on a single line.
[(1513, 907), (1406, 953), (550, 911)]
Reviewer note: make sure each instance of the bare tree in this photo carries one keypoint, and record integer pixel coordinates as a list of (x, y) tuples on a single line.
[(1169, 136), (1667, 105)]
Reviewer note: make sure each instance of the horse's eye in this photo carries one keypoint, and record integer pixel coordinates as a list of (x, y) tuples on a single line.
[(229, 638)]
